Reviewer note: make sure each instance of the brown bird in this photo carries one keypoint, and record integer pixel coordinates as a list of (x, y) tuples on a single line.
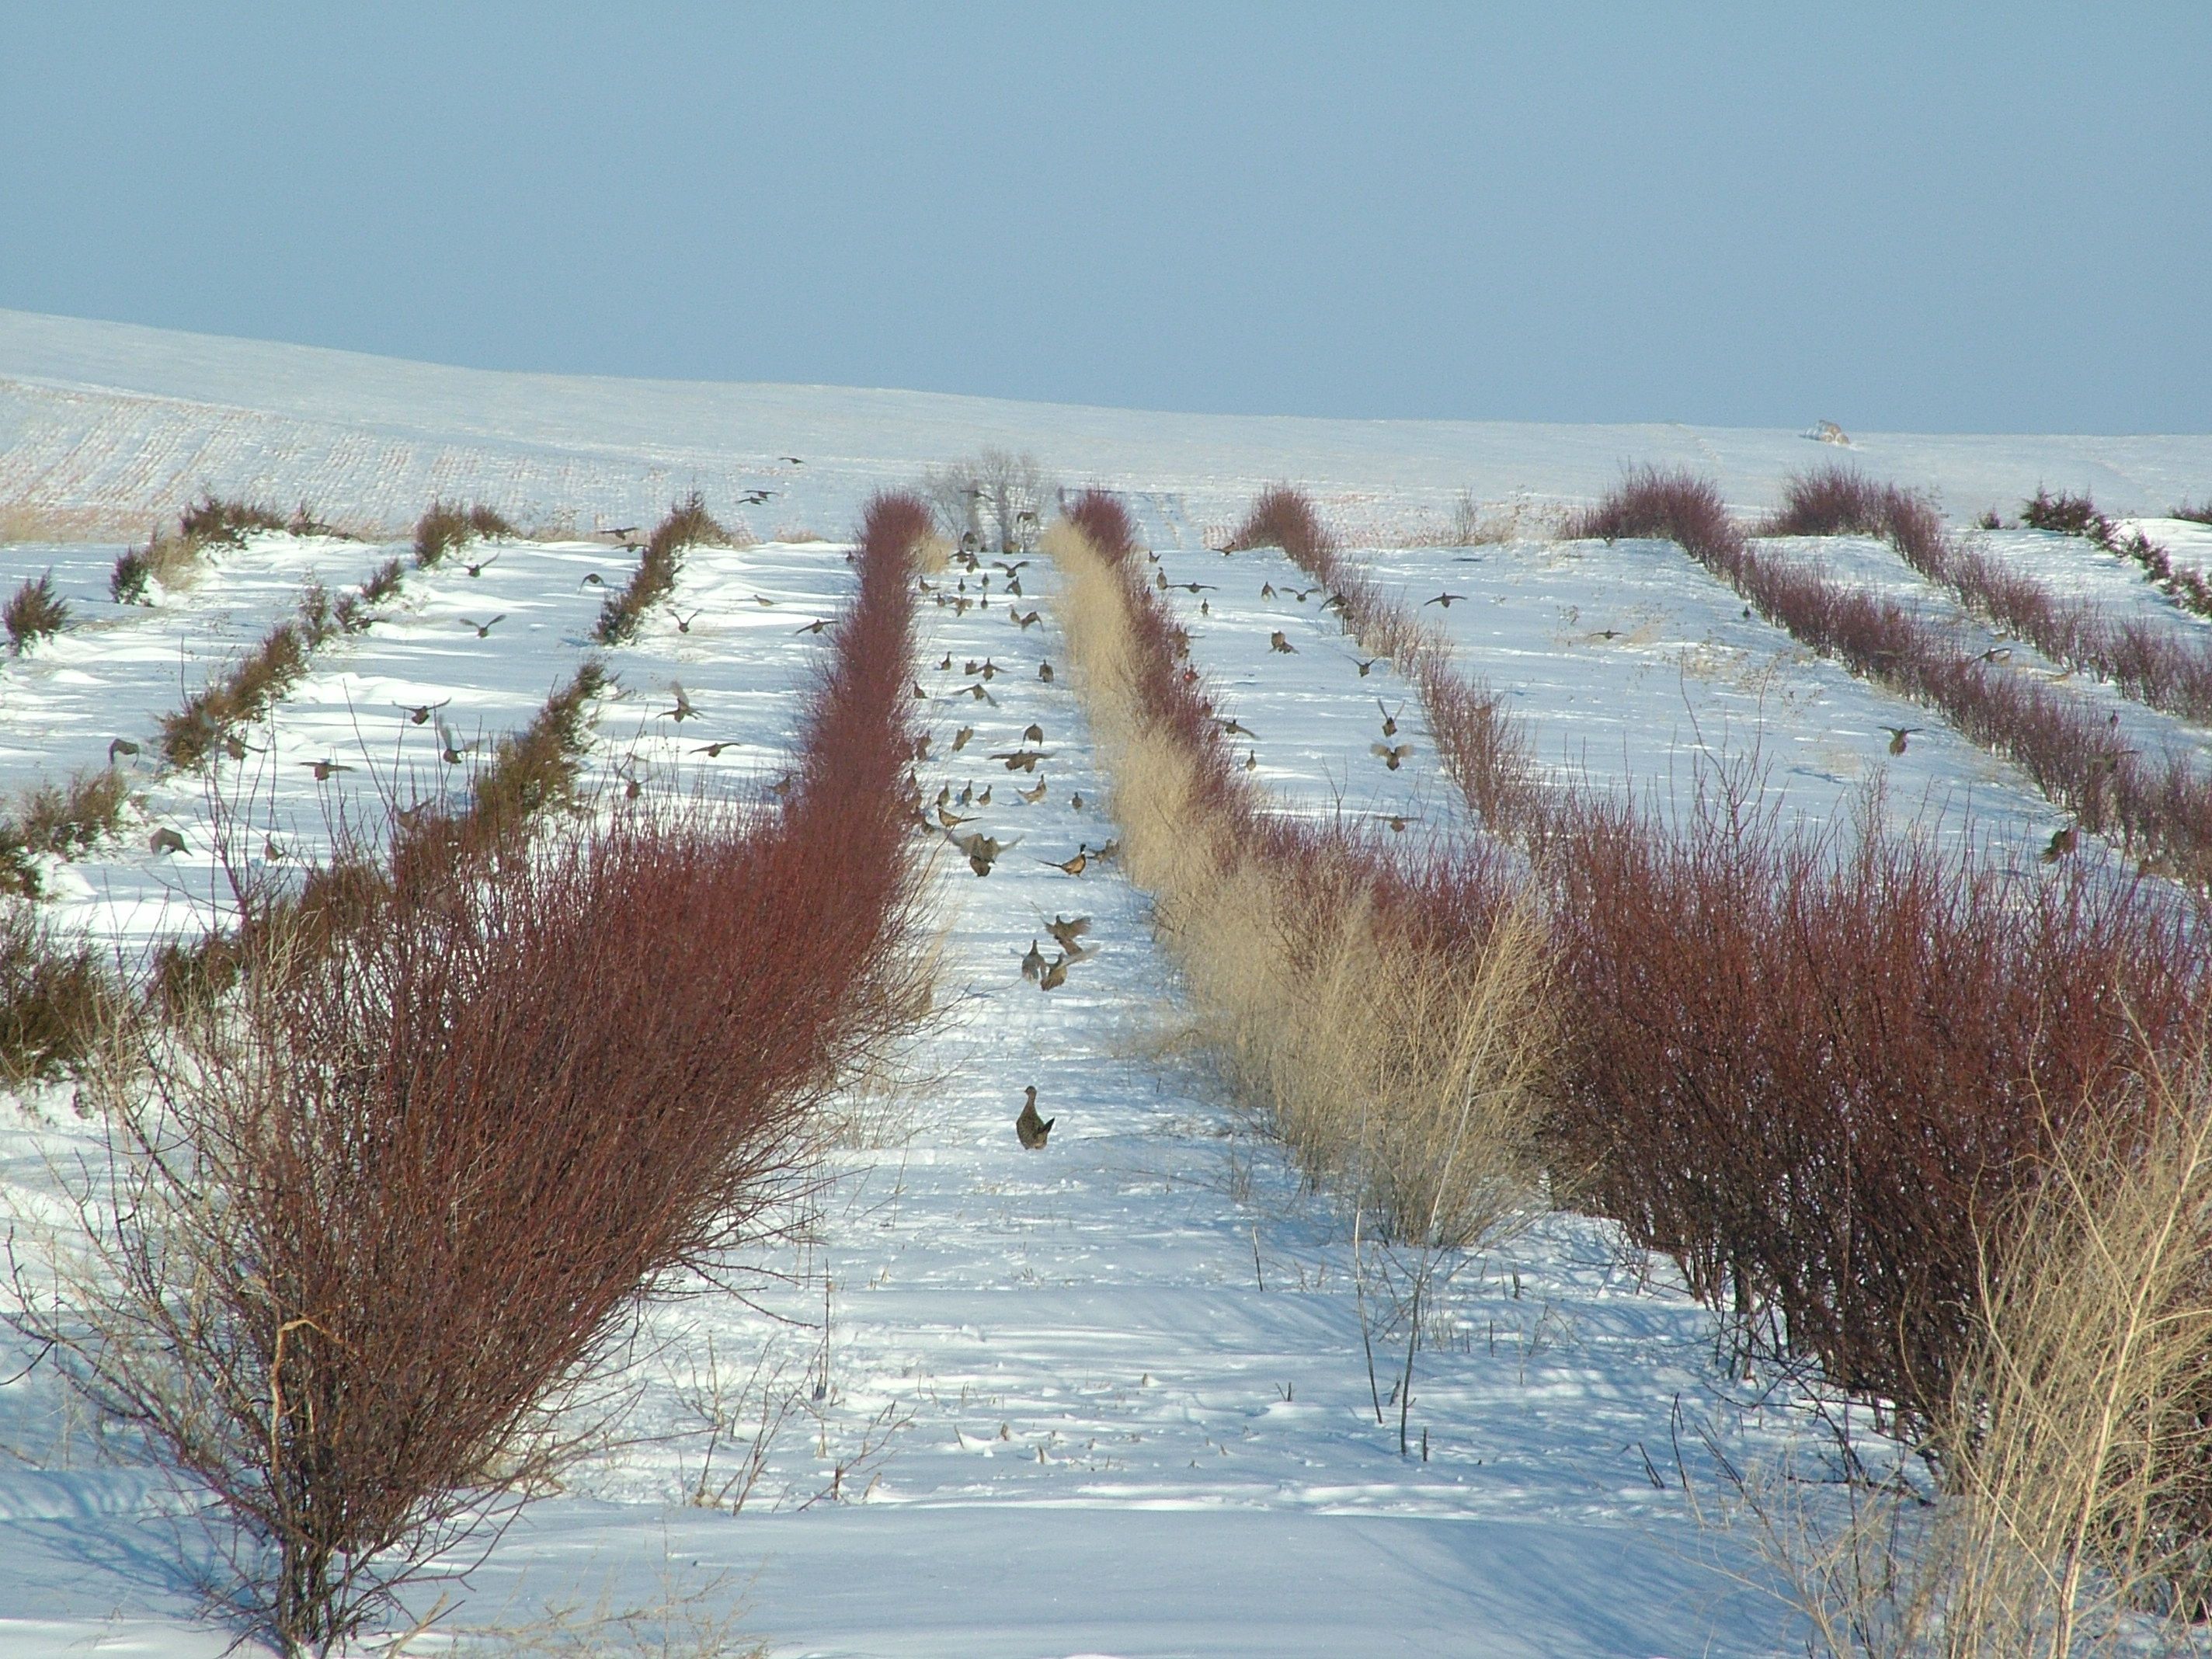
[(952, 820), (1033, 963), (1024, 760), (593, 579), (1267, 590), (1074, 867), (921, 747), (1392, 758), (1021, 621), (960, 737), (1029, 1128), (684, 622), (975, 691), (1997, 654), (1306, 593), (1044, 672), (983, 851), (990, 669), (418, 714), (984, 799), (1033, 732), (1443, 599), (323, 768), (1075, 801), (713, 750), (1033, 796), (945, 667), (1230, 728), (763, 601), (2062, 843), (1280, 641), (1109, 852), (1251, 760), (814, 627), (1205, 607), (920, 695), (1390, 720), (120, 747), (1055, 975), (1364, 665), (683, 710), (166, 841), (483, 628), (1067, 930), (1898, 734)]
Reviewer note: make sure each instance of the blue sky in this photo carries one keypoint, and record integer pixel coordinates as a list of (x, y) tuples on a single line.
[(1929, 217)]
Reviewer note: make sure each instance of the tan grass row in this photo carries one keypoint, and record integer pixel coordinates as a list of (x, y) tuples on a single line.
[(1402, 1076)]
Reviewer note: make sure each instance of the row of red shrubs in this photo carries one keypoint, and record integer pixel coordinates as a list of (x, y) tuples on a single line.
[(1809, 1071), (2165, 667), (1425, 900), (2161, 808), (518, 1087)]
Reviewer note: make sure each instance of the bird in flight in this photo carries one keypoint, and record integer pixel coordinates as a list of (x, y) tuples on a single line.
[(1898, 734), (1279, 640), (1443, 599), (1392, 758), (483, 628)]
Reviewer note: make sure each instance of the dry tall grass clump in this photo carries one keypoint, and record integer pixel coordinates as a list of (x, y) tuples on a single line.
[(2164, 667), (1393, 1026), (2075, 1450), (688, 525)]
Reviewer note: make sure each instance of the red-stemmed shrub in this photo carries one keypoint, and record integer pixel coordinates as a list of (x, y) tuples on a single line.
[(2162, 809), (1812, 1070), (2164, 668), (396, 1199)]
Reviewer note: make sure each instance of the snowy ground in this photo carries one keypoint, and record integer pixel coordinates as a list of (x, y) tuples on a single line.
[(1108, 1398)]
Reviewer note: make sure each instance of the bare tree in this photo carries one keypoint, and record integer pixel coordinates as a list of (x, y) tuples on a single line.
[(998, 497)]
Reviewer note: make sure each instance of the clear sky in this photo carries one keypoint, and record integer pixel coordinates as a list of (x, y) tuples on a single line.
[(1922, 217)]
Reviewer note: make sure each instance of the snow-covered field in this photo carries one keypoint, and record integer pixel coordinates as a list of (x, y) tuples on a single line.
[(1111, 1397)]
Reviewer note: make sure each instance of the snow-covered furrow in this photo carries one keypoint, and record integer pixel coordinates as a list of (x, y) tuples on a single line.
[(2076, 568), (475, 655), (1872, 565), (117, 668), (1147, 1318)]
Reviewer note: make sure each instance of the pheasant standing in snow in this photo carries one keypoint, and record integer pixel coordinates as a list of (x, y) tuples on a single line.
[(1029, 1127)]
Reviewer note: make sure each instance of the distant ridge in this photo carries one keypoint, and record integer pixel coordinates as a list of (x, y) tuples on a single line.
[(125, 419)]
